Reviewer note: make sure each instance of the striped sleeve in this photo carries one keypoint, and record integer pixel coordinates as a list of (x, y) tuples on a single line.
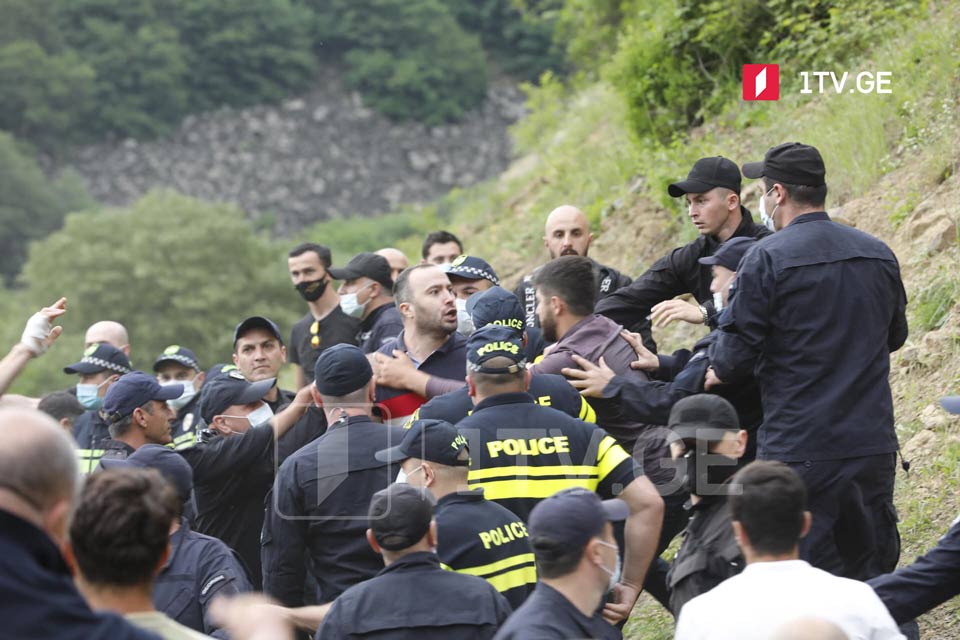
[(615, 468)]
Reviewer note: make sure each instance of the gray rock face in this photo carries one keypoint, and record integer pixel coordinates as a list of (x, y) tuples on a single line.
[(314, 157)]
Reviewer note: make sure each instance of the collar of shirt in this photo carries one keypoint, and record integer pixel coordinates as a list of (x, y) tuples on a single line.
[(367, 323), (460, 497), (449, 345), (814, 216), (351, 420), (772, 568), (38, 545), (514, 397), (416, 561), (559, 601)]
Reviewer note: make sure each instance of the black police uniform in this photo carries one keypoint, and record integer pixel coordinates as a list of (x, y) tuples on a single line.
[(547, 389), (674, 274), (514, 443), (336, 328), (413, 598), (38, 594), (90, 431), (383, 324), (327, 486), (187, 424), (816, 328), (548, 615), (608, 280), (199, 569), (930, 581), (116, 450), (481, 538), (708, 555)]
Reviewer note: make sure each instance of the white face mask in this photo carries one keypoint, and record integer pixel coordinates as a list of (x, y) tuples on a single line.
[(260, 415), (188, 394), (445, 266), (464, 321), (718, 301), (351, 306), (767, 219), (615, 574)]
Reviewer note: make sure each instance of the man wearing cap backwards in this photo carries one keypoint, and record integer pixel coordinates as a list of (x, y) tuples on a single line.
[(712, 193), (233, 471), (567, 233), (476, 536), (413, 597), (816, 310), (497, 306), (199, 567), (521, 452), (322, 492), (100, 367), (578, 562), (179, 365), (136, 410), (710, 445), (325, 324), (367, 295), (427, 358)]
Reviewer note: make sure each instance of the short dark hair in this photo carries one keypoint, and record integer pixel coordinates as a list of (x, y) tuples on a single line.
[(770, 506), (60, 405), (800, 193), (322, 252), (553, 560), (121, 426), (121, 526), (438, 237), (401, 286), (571, 278)]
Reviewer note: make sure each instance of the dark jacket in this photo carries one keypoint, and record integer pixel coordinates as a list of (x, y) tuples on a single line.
[(199, 568), (674, 274), (90, 431), (548, 615), (319, 510), (814, 313), (37, 596), (607, 281), (379, 327), (414, 599), (187, 423)]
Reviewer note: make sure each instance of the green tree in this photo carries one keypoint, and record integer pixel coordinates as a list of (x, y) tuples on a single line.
[(30, 206), (171, 268)]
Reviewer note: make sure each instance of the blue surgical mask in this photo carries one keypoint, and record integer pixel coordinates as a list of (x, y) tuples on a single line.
[(88, 395)]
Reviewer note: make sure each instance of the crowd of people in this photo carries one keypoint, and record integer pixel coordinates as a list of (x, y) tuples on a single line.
[(458, 460)]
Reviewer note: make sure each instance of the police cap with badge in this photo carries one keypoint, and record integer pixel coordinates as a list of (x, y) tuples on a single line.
[(494, 341), (496, 306), (472, 268), (177, 355), (100, 357)]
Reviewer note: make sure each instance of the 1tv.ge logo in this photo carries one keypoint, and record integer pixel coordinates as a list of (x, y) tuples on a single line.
[(762, 82)]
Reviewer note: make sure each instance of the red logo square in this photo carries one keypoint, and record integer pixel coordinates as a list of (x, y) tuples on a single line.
[(761, 82)]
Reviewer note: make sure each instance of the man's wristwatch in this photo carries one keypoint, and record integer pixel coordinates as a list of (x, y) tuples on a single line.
[(706, 316)]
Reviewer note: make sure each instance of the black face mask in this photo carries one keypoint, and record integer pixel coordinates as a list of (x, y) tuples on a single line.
[(706, 474), (311, 290)]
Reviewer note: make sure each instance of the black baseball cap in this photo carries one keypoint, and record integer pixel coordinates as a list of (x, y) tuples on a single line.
[(496, 306), (228, 389), (494, 341), (431, 440), (180, 355), (704, 416), (365, 265), (472, 268), (707, 174), (568, 519), (400, 516), (257, 322), (951, 404), (730, 253), (341, 369), (169, 463), (100, 357), (790, 162), (133, 390)]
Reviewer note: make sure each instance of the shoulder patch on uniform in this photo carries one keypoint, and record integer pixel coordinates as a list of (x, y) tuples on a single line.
[(212, 581)]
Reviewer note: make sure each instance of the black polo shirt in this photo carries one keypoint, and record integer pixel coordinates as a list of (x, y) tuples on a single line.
[(548, 615), (378, 328), (336, 328), (480, 538)]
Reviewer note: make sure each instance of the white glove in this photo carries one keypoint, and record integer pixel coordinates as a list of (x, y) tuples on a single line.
[(36, 332)]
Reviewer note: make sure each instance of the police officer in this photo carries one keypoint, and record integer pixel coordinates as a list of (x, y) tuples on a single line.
[(497, 306), (816, 310), (323, 490), (413, 597), (709, 444), (233, 471), (136, 409), (179, 365), (199, 567), (522, 452), (567, 233), (578, 561), (476, 537), (367, 295), (100, 367), (712, 192)]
